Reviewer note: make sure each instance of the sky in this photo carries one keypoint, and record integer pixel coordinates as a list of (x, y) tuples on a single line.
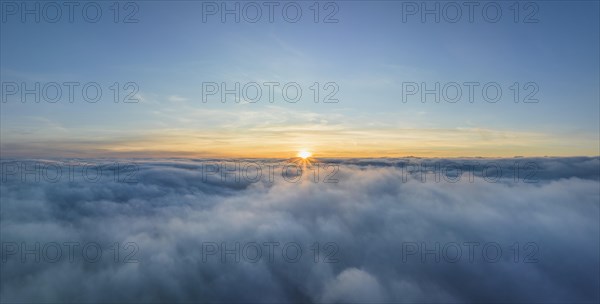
[(162, 160), (369, 57)]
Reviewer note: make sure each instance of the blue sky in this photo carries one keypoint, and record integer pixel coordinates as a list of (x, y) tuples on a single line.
[(369, 53)]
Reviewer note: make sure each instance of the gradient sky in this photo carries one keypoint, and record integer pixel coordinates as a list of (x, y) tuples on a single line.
[(369, 53)]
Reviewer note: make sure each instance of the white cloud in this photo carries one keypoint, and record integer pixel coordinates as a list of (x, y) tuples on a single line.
[(172, 214)]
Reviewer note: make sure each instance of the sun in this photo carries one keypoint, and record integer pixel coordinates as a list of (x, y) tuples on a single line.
[(304, 154)]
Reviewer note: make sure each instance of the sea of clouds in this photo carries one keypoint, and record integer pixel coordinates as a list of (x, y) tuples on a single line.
[(343, 230)]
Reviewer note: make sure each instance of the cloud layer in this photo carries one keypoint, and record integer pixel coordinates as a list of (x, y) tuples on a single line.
[(372, 236)]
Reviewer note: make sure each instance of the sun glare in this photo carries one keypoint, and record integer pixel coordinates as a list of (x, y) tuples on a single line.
[(304, 154)]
